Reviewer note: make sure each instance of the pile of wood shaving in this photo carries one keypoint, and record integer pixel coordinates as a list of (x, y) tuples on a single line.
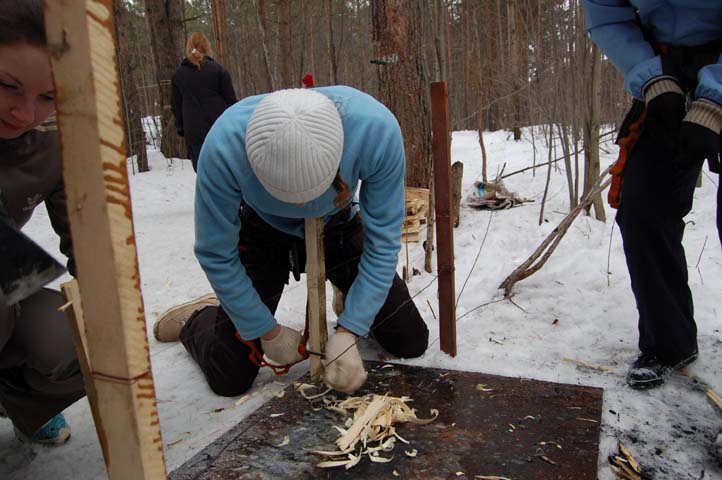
[(369, 427)]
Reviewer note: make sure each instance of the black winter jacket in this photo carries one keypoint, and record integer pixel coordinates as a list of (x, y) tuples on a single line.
[(199, 97), (31, 173)]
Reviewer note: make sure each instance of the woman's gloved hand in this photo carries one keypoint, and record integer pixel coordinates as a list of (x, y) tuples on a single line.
[(343, 368), (281, 345)]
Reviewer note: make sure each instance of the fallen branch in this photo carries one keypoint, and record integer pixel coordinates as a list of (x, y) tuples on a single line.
[(550, 243)]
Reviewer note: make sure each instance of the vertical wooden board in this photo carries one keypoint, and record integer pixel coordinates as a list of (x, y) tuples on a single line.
[(74, 312), (441, 146), (316, 281), (81, 46)]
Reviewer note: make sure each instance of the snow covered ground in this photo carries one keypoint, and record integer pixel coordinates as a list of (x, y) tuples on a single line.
[(571, 309)]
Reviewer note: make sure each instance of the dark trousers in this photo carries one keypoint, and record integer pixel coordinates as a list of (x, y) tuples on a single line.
[(656, 195), (39, 372), (269, 256), (194, 151)]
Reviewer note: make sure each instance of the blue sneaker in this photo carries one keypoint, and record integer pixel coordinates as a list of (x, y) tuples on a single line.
[(55, 432)]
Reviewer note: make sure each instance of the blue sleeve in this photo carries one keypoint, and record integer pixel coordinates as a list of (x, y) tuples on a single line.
[(218, 198), (612, 25), (382, 207), (710, 82)]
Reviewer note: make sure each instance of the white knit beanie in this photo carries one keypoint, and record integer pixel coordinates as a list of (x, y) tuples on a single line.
[(294, 143)]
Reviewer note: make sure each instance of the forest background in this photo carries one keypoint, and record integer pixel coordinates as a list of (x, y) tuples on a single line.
[(508, 64)]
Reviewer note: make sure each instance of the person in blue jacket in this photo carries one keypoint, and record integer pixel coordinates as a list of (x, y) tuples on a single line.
[(269, 162), (669, 54)]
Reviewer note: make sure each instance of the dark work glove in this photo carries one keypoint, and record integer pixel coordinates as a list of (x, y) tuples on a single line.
[(665, 112), (695, 144), (699, 135), (180, 132)]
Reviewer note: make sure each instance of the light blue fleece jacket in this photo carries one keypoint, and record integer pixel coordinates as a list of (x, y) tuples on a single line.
[(613, 26), (373, 153)]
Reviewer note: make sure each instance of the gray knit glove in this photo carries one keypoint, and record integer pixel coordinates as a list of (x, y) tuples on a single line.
[(283, 348)]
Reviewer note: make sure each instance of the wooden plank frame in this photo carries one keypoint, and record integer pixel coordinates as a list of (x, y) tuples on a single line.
[(82, 53), (316, 283), (441, 147), (74, 312)]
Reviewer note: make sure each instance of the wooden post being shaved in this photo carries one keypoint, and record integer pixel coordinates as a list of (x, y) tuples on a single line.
[(81, 46), (316, 282), (441, 146)]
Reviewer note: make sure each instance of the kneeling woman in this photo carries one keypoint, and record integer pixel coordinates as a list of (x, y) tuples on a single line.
[(269, 162)]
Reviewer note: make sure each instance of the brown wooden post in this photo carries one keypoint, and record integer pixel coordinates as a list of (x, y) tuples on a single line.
[(441, 146), (316, 282), (82, 54)]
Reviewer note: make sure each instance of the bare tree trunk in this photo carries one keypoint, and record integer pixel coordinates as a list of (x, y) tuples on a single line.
[(261, 20), (218, 12), (360, 27), (131, 101), (591, 135), (311, 32), (403, 88), (165, 22), (480, 97), (332, 66), (284, 44), (440, 38)]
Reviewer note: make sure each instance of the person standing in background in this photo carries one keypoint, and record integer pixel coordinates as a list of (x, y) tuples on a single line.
[(202, 90)]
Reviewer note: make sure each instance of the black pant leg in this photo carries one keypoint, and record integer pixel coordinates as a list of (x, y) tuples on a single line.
[(719, 208), (194, 151), (398, 326), (656, 195), (210, 336)]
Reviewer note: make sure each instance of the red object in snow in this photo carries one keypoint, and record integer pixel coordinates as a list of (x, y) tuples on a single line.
[(307, 81)]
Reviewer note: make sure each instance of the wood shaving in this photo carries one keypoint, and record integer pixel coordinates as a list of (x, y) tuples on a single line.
[(490, 477), (580, 363), (587, 420), (241, 400), (550, 443), (370, 427), (625, 467), (285, 442), (274, 415), (395, 473), (303, 388), (482, 388), (280, 394)]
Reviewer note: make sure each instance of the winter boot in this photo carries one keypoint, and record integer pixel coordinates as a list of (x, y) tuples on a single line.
[(55, 432), (648, 371), (168, 326)]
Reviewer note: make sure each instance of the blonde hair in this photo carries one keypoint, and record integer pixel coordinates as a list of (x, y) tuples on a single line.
[(198, 47)]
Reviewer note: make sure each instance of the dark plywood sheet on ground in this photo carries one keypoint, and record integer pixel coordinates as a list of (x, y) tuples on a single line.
[(487, 425)]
